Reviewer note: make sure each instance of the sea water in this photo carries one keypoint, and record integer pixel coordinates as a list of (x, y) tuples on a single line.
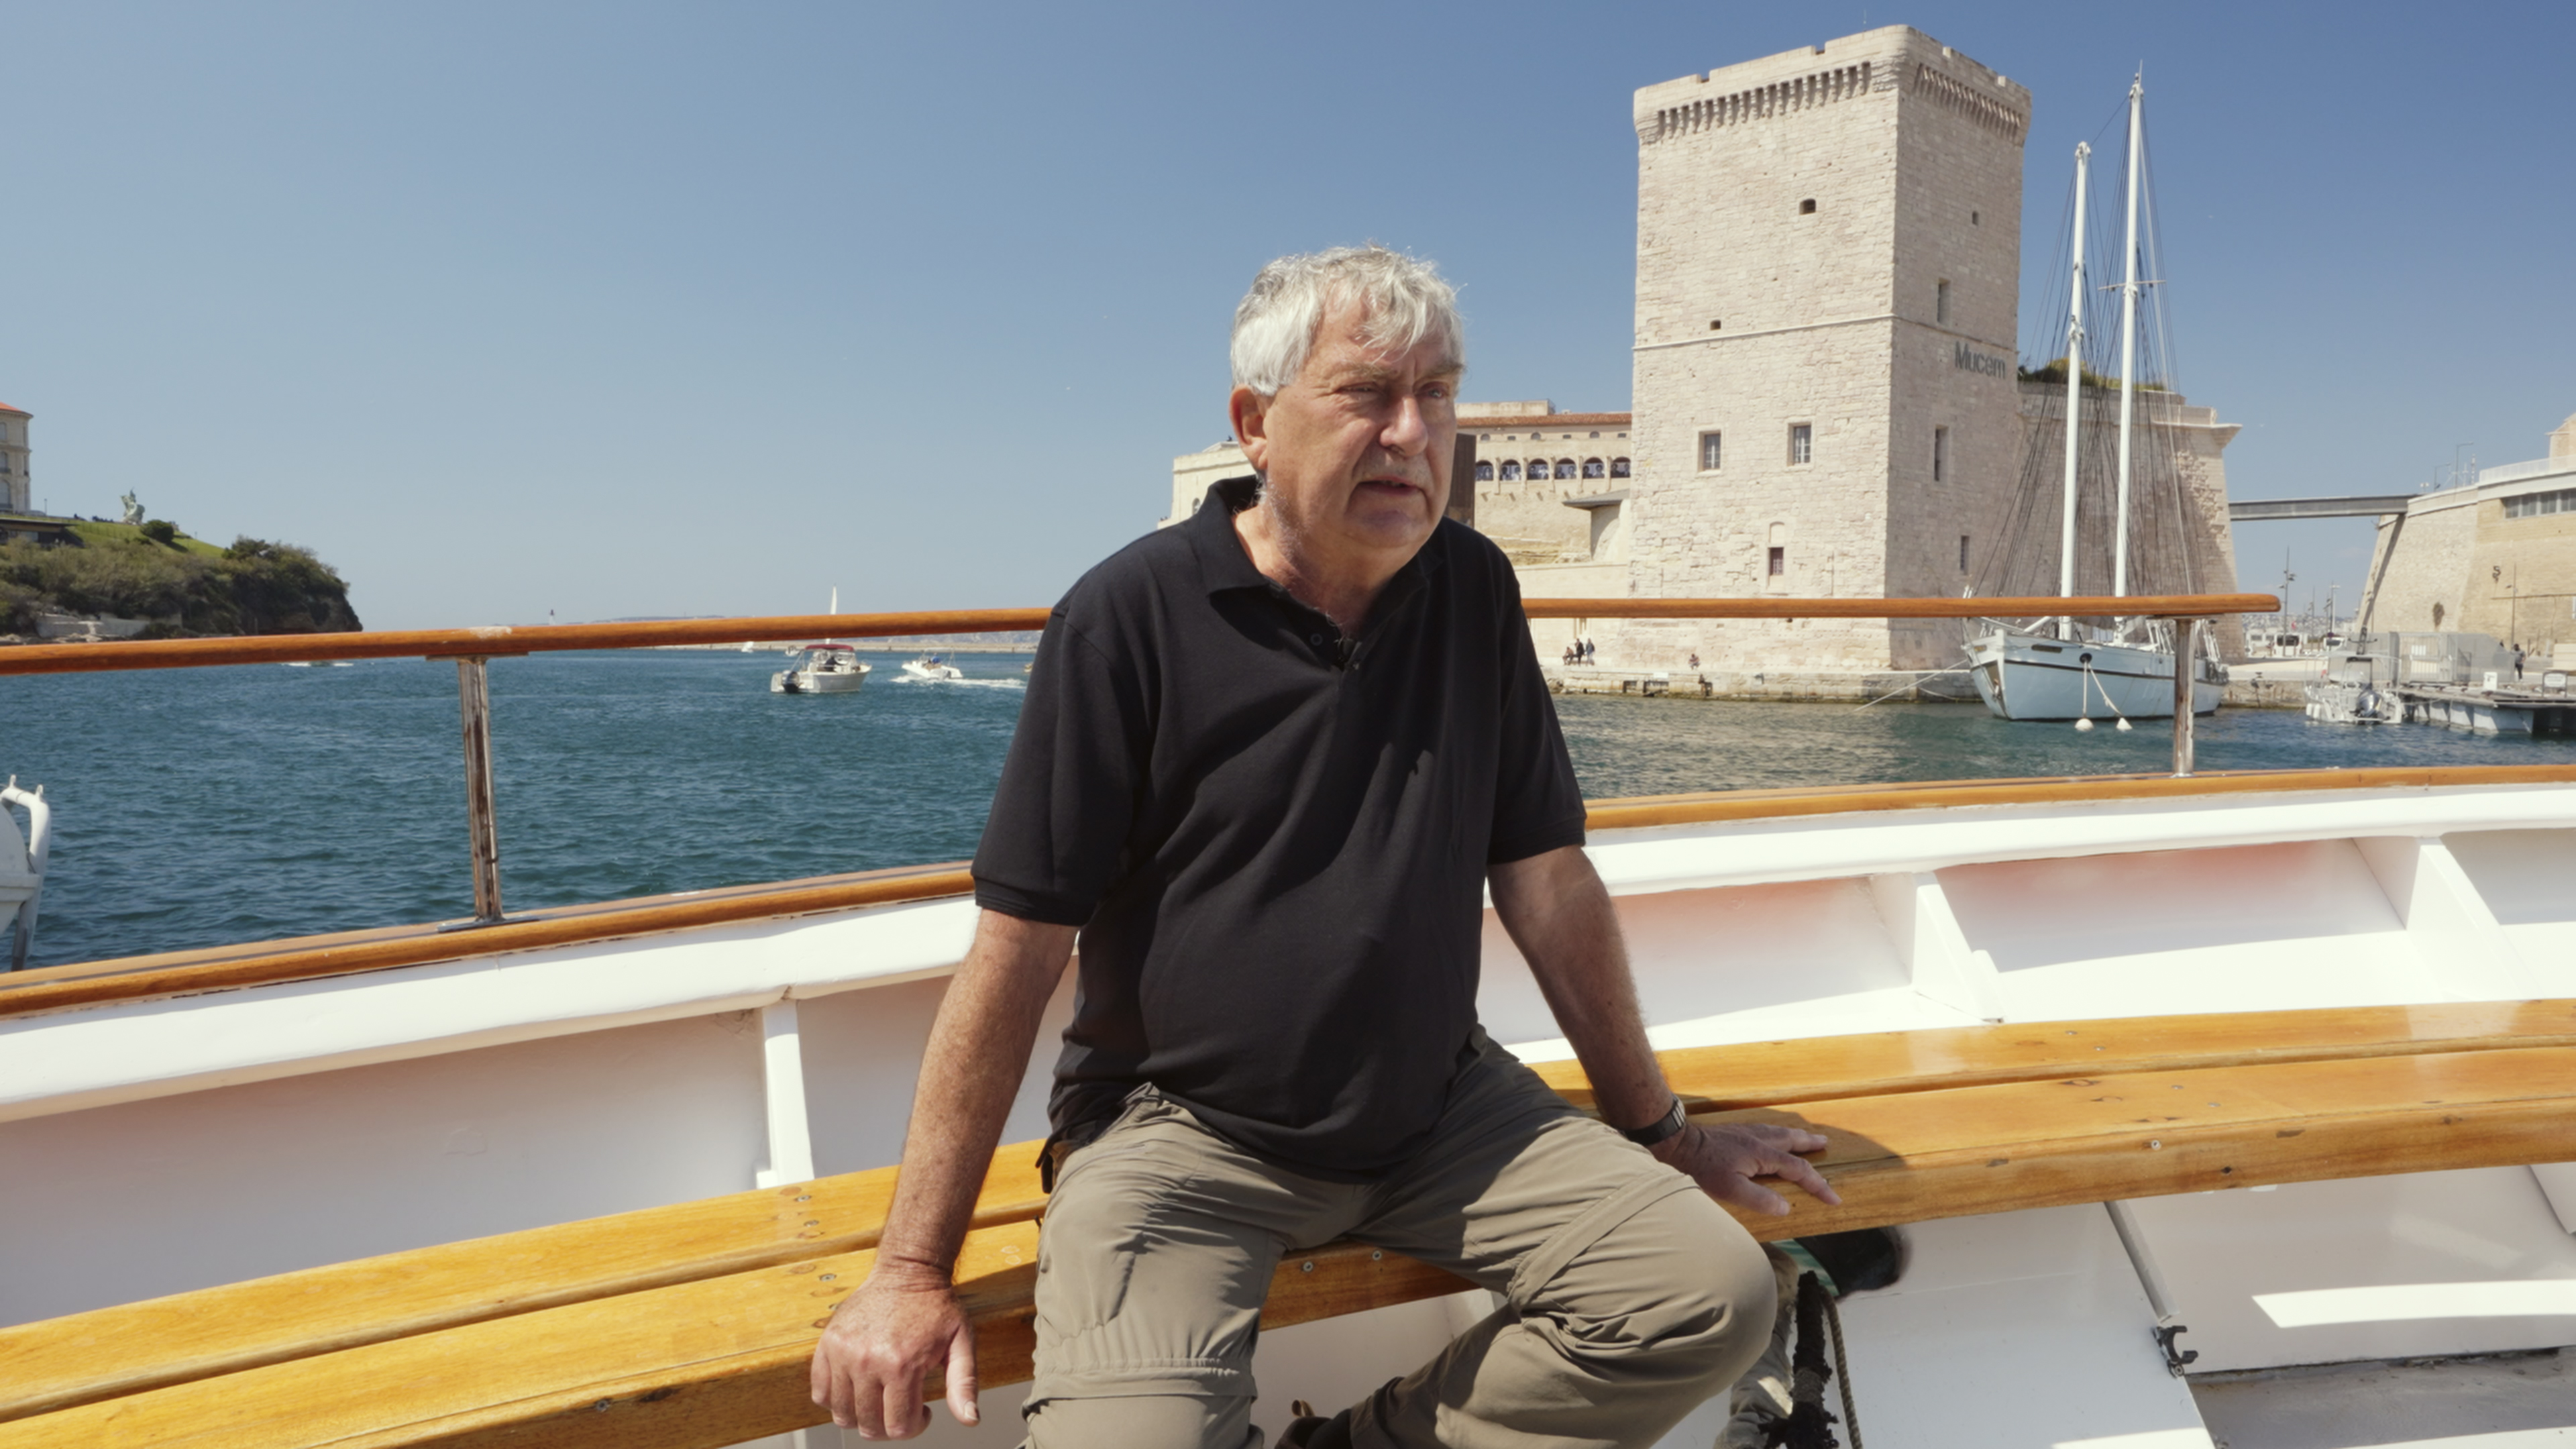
[(199, 807)]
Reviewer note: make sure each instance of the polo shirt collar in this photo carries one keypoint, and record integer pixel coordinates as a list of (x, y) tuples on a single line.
[(1222, 562), (1224, 565)]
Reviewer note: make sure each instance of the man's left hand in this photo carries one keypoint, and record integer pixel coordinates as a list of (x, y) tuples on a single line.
[(1725, 1160)]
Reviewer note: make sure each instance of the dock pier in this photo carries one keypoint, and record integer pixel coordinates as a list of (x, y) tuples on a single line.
[(1937, 686)]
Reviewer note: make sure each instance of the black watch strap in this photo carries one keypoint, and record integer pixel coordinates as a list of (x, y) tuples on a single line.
[(1668, 1125)]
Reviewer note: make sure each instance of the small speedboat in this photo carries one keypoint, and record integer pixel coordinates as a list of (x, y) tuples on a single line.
[(821, 669), (931, 666)]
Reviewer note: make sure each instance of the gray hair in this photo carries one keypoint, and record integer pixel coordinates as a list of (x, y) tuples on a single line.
[(1404, 298)]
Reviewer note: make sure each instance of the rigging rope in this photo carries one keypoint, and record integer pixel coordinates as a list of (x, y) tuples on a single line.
[(2020, 556), (1842, 1368)]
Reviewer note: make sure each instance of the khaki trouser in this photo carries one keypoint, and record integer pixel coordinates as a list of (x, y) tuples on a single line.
[(1760, 1399), (1630, 1297)]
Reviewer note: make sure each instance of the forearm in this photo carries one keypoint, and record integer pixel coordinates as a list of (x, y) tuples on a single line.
[(969, 1073), (1559, 915)]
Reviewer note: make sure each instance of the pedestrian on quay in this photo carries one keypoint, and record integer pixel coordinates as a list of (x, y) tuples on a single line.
[(1269, 764)]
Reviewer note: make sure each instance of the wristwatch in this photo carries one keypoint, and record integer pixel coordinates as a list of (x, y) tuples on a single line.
[(1668, 1125)]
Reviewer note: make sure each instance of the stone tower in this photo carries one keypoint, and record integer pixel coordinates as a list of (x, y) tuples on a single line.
[(1828, 255)]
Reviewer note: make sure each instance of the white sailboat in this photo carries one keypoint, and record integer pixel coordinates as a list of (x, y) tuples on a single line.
[(2061, 669)]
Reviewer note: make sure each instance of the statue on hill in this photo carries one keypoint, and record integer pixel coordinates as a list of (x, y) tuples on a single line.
[(133, 510)]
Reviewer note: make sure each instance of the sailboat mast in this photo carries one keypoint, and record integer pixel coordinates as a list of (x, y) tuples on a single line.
[(2074, 384), (2128, 349)]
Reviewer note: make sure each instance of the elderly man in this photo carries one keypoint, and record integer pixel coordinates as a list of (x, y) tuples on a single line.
[(1270, 761)]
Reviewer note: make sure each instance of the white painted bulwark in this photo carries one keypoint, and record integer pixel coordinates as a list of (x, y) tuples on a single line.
[(312, 1122)]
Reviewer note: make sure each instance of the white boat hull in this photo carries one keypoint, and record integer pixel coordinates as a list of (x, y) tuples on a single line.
[(158, 1146), (807, 681), (2028, 677), (931, 673)]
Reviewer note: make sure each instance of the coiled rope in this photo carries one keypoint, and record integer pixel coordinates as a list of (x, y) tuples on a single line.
[(1808, 1425)]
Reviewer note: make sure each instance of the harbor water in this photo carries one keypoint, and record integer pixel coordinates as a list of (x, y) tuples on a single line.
[(198, 807)]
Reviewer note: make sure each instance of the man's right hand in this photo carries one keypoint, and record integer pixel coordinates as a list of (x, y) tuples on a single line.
[(883, 1340)]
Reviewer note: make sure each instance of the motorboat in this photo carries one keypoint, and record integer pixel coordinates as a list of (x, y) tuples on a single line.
[(821, 669), (931, 667), (22, 868), (2176, 1083)]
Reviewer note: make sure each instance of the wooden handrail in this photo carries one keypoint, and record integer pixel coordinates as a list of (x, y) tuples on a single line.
[(93, 982), (499, 640), (2149, 606), (133, 978), (472, 648), (138, 1347)]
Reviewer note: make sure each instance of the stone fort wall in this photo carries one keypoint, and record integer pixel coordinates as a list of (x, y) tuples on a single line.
[(2496, 558)]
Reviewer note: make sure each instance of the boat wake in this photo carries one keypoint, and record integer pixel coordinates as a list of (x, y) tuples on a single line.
[(907, 679)]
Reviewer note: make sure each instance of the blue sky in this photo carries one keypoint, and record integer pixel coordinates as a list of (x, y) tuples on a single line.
[(656, 309)]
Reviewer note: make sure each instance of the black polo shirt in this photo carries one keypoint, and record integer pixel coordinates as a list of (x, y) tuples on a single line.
[(1275, 841)]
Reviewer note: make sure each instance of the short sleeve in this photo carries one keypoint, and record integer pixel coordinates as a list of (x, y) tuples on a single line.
[(1538, 806), (1069, 785)]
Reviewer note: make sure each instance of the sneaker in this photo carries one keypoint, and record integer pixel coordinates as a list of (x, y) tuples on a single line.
[(1856, 1262)]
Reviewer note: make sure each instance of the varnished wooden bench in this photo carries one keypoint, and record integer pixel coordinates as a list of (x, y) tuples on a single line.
[(690, 1325)]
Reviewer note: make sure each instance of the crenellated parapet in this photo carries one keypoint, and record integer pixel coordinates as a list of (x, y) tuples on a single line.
[(1890, 60)]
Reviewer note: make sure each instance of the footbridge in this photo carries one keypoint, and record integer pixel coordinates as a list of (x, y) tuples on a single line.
[(2367, 505)]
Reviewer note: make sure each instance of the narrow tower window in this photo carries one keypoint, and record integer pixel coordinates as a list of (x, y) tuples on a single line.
[(1802, 442), (1708, 451), (1779, 562), (1940, 455), (1941, 303), (1963, 553)]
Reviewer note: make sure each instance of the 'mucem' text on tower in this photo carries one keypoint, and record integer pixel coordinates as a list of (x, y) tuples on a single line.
[(1828, 251)]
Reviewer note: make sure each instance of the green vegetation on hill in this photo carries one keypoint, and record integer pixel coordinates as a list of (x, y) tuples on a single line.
[(2054, 371), (186, 586)]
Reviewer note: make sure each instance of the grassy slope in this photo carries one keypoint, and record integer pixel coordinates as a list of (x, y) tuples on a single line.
[(189, 586), (133, 533)]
